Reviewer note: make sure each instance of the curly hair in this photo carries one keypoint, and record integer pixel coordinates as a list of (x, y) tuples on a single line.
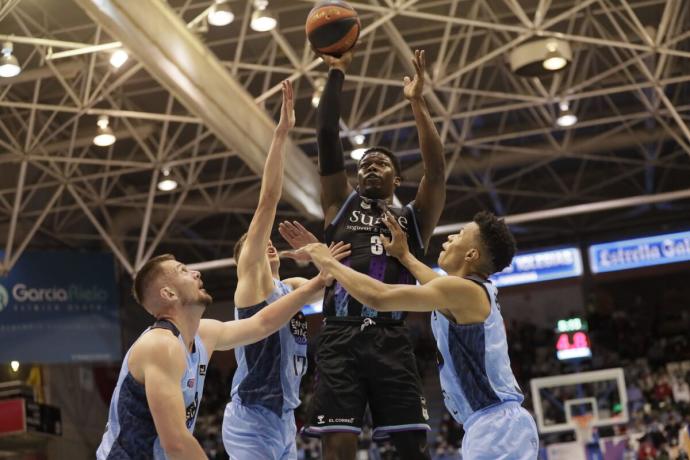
[(497, 238)]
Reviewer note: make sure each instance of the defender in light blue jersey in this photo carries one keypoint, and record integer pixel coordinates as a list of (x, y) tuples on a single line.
[(154, 406), (478, 384), (259, 422)]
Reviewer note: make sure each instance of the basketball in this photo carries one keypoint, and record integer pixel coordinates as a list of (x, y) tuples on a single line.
[(332, 27)]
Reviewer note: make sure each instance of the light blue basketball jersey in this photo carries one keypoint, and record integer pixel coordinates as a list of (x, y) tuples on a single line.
[(130, 432), (269, 371), (473, 361)]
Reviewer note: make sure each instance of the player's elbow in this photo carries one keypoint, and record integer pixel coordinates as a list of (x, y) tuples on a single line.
[(264, 324), (175, 445), (377, 300)]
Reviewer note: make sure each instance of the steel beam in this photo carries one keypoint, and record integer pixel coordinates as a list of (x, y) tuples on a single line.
[(180, 62)]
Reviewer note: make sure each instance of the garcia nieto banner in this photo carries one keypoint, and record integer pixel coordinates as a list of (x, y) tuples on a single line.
[(58, 307)]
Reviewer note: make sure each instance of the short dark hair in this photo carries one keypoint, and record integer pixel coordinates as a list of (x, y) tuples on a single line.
[(378, 149), (237, 249), (497, 238), (149, 271)]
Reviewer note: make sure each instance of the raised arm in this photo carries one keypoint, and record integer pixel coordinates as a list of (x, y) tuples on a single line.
[(334, 185), (431, 194), (230, 334), (397, 247), (162, 366), (253, 265), (465, 299)]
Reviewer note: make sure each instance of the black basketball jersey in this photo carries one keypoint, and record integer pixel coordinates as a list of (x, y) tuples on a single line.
[(358, 222)]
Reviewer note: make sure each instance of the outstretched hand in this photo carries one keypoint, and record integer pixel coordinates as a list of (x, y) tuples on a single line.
[(297, 237), (396, 246), (413, 88), (287, 110), (341, 63)]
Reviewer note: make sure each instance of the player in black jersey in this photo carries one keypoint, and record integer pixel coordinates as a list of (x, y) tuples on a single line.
[(365, 357)]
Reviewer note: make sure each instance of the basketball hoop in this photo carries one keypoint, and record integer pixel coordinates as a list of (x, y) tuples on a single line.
[(583, 428)]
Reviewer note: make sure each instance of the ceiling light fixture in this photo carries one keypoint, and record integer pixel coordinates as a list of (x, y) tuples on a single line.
[(105, 136), (220, 14), (118, 58), (9, 66), (566, 117), (14, 365), (167, 184), (262, 18), (358, 138), (357, 154), (554, 60)]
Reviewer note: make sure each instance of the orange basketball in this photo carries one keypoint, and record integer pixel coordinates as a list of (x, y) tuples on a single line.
[(332, 27)]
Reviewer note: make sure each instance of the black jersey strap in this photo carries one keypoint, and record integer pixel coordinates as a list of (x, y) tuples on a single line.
[(166, 324), (480, 281)]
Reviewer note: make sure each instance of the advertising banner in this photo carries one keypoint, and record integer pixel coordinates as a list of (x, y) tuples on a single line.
[(58, 307)]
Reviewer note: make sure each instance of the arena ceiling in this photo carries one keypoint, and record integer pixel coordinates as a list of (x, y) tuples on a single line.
[(201, 100)]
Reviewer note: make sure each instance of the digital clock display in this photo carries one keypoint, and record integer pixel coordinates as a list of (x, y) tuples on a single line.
[(573, 339)]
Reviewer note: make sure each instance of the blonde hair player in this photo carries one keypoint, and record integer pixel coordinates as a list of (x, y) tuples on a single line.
[(259, 420)]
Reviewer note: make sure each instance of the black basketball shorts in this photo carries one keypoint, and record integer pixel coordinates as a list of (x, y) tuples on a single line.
[(362, 361)]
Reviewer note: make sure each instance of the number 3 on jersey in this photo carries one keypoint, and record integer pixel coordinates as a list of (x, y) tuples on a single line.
[(376, 245)]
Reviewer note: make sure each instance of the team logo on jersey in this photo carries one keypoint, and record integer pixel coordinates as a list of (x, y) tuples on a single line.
[(202, 369), (320, 419), (365, 204), (190, 383), (425, 412), (190, 411), (298, 328), (364, 221)]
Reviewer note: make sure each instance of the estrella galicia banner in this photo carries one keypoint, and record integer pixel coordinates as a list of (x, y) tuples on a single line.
[(640, 252), (58, 307)]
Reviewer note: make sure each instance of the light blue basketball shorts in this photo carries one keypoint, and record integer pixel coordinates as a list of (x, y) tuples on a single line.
[(502, 432), (254, 432)]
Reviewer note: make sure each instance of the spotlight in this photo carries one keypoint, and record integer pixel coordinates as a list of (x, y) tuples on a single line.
[(357, 154), (118, 58), (566, 117), (104, 137), (554, 60), (359, 139), (262, 19), (9, 66), (167, 184), (319, 85), (220, 14), (14, 365), (540, 57)]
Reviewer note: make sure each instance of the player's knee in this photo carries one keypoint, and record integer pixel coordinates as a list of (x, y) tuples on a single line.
[(411, 445), (339, 446)]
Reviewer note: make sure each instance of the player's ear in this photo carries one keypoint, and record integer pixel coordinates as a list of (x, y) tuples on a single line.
[(397, 181), (168, 294), (472, 255)]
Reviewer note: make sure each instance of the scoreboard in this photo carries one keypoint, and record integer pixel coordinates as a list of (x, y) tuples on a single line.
[(572, 339)]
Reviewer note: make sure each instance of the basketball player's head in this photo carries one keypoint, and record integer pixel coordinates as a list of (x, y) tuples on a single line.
[(164, 285), (483, 246), (378, 173), (271, 253)]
